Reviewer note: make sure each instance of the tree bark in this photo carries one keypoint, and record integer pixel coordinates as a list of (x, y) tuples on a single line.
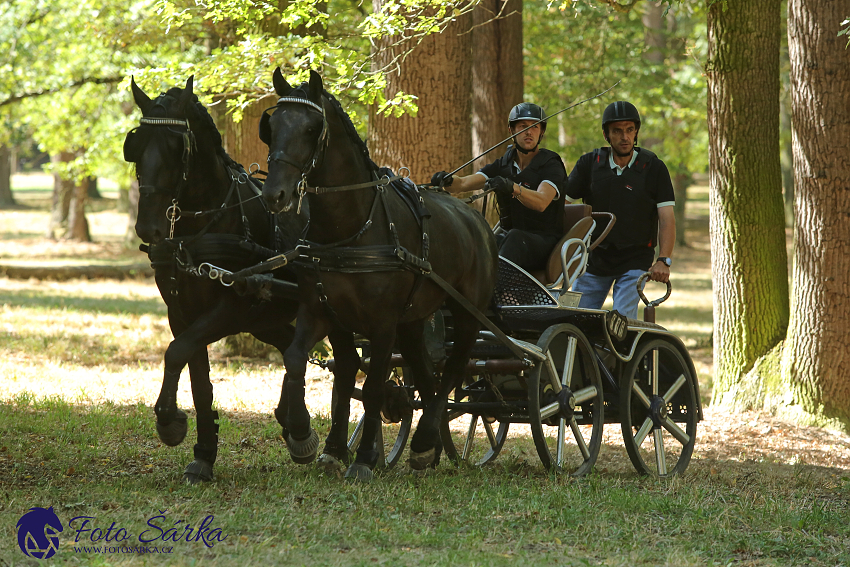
[(6, 197), (438, 71), (62, 190), (816, 360), (497, 78), (241, 140), (78, 226), (749, 261)]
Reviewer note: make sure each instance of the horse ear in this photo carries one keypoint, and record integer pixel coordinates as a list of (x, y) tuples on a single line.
[(143, 101), (316, 87), (281, 87), (185, 101)]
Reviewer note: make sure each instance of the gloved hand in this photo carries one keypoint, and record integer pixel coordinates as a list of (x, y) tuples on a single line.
[(441, 179), (502, 186)]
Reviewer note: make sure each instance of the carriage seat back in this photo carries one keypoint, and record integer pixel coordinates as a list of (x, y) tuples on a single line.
[(579, 225)]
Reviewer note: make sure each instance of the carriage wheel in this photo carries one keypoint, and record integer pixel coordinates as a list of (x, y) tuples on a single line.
[(392, 437), (658, 407), (391, 441), (566, 425), (466, 445)]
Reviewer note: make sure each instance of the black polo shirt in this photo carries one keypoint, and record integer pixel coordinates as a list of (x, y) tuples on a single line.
[(634, 197), (546, 166)]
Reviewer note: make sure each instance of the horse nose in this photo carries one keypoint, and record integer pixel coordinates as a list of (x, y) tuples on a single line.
[(149, 234)]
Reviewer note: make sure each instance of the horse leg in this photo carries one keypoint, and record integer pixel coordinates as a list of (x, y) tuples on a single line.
[(411, 343), (346, 364), (292, 414), (427, 435), (206, 449), (170, 420), (382, 342)]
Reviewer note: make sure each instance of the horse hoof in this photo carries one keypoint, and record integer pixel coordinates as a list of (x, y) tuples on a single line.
[(303, 451), (329, 464), (172, 434), (358, 472), (420, 461), (198, 471)]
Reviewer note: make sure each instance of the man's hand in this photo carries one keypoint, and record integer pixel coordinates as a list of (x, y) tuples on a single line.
[(501, 186), (441, 179), (659, 272)]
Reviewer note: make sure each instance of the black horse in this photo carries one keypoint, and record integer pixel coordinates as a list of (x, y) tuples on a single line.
[(372, 263), (200, 213)]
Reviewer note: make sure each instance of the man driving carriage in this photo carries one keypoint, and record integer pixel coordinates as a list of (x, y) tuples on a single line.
[(528, 182), (635, 185)]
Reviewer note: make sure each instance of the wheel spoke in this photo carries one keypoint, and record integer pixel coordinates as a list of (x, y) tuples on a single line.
[(660, 457), (676, 431), (585, 394), (552, 372), (550, 410), (640, 395), (569, 361), (491, 437), (655, 355), (470, 437), (680, 381), (643, 432), (559, 452), (582, 445)]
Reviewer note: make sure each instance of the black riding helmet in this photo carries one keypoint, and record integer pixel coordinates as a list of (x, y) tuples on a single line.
[(527, 111), (618, 112)]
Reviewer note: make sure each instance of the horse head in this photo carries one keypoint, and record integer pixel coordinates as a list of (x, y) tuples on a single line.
[(164, 150), (296, 133)]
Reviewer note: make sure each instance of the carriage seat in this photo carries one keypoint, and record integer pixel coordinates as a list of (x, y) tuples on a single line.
[(568, 259)]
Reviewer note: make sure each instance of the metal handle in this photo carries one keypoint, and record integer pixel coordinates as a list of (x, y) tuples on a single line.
[(642, 281)]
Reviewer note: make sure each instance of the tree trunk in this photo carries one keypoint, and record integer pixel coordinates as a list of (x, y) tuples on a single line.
[(62, 190), (816, 359), (6, 197), (749, 260), (439, 137), (497, 79), (241, 140), (93, 189), (78, 226)]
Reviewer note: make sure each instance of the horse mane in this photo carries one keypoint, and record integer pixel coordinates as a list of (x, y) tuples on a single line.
[(198, 114), (347, 124)]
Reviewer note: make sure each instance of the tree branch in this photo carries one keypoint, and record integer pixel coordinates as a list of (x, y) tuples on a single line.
[(622, 8), (88, 80)]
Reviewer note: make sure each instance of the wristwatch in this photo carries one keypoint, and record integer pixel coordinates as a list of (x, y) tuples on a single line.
[(667, 261)]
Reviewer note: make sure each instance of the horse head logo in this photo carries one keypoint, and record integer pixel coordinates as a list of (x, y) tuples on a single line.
[(38, 533)]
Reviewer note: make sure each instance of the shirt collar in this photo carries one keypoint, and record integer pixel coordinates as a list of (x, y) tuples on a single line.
[(616, 167)]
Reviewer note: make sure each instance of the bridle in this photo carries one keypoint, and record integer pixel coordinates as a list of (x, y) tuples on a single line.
[(173, 213), (318, 150), (316, 157)]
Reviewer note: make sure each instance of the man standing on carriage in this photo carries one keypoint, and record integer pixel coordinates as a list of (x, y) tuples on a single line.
[(635, 185), (528, 182)]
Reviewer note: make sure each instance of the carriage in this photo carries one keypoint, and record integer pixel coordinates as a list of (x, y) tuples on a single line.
[(579, 369), (541, 361)]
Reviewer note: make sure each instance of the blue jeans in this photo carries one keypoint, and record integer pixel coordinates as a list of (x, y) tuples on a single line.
[(594, 290)]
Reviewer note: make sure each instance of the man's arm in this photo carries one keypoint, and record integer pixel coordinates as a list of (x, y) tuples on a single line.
[(472, 182), (535, 200), (666, 240)]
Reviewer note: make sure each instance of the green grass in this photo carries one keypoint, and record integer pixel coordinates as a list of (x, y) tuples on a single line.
[(80, 368), (105, 461)]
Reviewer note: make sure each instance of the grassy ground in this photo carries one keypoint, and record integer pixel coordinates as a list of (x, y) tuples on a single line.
[(80, 368)]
